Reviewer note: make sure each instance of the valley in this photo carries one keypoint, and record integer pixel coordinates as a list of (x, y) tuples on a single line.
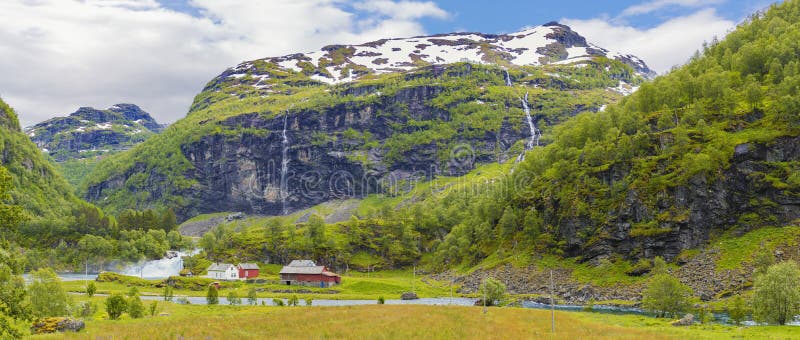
[(436, 186)]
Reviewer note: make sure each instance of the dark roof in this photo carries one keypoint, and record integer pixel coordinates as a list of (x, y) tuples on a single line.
[(248, 266), (219, 267), (302, 270)]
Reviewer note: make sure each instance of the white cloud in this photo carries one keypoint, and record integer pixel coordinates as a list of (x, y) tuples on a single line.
[(661, 47), (58, 55), (655, 5)]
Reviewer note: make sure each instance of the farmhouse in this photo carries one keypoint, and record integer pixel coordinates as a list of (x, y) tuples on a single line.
[(307, 273), (248, 270), (223, 271)]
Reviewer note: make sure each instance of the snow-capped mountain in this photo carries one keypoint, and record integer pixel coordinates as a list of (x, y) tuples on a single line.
[(551, 43)]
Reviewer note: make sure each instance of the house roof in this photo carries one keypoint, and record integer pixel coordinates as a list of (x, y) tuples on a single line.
[(248, 266), (302, 270), (327, 273), (302, 263), (219, 267)]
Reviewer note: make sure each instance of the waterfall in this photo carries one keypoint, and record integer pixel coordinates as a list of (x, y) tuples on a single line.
[(284, 165), (170, 265), (535, 133), (508, 78)]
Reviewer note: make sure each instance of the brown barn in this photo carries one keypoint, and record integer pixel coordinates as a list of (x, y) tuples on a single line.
[(307, 273)]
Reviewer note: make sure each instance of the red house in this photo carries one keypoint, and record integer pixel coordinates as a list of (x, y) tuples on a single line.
[(307, 273), (247, 271)]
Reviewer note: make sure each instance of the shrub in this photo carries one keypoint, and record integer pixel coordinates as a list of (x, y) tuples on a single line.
[(85, 309), (252, 297), (168, 293), (115, 306), (666, 296), (153, 308), (91, 289), (277, 302), (212, 296), (183, 301), (777, 293), (381, 300), (494, 292), (737, 310), (135, 307), (47, 297), (309, 301), (233, 298), (293, 300)]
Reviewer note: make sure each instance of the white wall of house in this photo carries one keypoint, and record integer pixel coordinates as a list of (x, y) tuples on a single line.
[(230, 273)]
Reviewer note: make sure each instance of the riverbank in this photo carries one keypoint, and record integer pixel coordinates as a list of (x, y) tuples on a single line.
[(400, 322)]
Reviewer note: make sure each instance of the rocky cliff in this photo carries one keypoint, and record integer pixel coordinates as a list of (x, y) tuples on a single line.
[(275, 135), (89, 132)]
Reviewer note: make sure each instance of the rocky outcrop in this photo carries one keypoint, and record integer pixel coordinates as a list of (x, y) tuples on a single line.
[(57, 324), (89, 131), (741, 195)]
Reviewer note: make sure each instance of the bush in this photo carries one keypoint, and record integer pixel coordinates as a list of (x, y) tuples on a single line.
[(212, 296), (115, 306), (381, 300), (183, 301), (91, 289), (233, 298), (666, 296), (277, 302), (309, 301), (737, 310), (494, 292), (252, 297), (85, 309), (293, 301), (168, 293), (153, 308), (777, 294), (47, 297), (135, 307)]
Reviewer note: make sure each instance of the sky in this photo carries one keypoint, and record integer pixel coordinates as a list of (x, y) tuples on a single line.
[(59, 55)]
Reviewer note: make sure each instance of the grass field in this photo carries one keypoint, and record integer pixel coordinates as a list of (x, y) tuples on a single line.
[(356, 285), (401, 322)]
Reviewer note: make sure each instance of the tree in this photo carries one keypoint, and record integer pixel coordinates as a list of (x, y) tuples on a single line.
[(168, 293), (212, 296), (135, 307), (252, 296), (293, 300), (168, 220), (233, 298), (91, 289), (762, 260), (736, 310), (777, 293), (115, 306), (10, 215), (153, 308), (494, 291), (666, 296), (46, 296)]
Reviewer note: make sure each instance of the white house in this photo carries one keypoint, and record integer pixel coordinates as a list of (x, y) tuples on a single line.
[(223, 271)]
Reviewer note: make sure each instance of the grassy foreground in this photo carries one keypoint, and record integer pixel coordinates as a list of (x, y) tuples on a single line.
[(401, 322)]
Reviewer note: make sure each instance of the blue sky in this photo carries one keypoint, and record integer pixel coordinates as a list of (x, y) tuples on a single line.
[(59, 55)]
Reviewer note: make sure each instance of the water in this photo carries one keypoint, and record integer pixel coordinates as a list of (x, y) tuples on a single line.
[(284, 164), (508, 78), (535, 133), (170, 265)]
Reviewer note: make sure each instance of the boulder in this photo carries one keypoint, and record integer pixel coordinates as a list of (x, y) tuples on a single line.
[(57, 324), (686, 320), (409, 296)]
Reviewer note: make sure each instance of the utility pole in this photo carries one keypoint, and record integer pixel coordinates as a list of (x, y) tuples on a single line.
[(552, 305)]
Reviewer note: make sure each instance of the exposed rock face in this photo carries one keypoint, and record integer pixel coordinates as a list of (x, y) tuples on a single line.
[(409, 296), (707, 206), (90, 130), (686, 320), (243, 172)]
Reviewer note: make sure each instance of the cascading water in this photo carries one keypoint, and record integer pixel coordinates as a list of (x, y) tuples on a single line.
[(284, 165), (535, 134), (508, 78), (170, 265)]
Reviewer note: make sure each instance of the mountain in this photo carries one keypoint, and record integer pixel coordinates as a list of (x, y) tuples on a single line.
[(276, 135), (38, 187), (90, 132)]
